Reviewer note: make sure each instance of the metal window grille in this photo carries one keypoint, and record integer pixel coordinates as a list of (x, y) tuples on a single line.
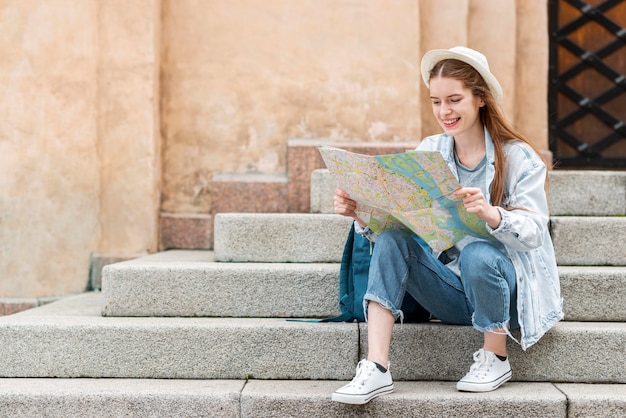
[(587, 94)]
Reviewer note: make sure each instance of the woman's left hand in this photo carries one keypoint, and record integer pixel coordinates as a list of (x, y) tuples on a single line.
[(475, 202)]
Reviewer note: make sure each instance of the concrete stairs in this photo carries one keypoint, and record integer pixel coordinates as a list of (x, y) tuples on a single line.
[(207, 333)]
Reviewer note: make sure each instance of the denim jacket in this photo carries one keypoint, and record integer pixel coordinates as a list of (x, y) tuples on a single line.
[(524, 232)]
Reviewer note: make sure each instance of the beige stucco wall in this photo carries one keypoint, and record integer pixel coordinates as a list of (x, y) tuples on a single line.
[(129, 142), (239, 78), (49, 187), (79, 141), (114, 110)]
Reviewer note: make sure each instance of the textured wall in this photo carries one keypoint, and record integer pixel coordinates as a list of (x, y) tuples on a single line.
[(241, 77), (78, 139), (128, 124), (49, 176)]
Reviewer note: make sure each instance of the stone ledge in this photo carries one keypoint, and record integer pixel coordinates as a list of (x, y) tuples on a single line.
[(310, 398), (260, 193), (97, 263), (10, 306), (119, 398), (192, 231), (85, 344), (192, 284)]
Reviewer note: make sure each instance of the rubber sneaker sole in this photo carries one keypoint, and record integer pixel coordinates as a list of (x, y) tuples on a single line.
[(483, 386), (361, 399)]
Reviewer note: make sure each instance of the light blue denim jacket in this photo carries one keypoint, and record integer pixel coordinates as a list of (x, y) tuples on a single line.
[(524, 232)]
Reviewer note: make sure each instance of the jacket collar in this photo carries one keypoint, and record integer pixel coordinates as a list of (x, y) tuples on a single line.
[(447, 150)]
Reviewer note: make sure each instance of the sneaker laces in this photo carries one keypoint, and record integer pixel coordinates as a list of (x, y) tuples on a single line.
[(481, 365), (363, 372)]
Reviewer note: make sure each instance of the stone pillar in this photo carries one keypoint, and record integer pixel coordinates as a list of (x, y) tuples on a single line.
[(532, 55), (492, 31), (443, 24), (79, 140), (49, 179), (128, 125)]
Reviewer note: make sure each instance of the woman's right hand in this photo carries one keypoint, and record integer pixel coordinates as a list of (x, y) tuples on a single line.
[(346, 206), (343, 204)]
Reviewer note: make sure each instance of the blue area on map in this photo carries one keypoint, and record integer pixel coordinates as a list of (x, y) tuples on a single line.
[(405, 165)]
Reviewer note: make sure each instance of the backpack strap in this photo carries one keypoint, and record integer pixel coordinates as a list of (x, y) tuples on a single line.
[(348, 299), (344, 317)]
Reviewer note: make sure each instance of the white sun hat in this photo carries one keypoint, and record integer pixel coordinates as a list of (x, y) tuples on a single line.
[(467, 55)]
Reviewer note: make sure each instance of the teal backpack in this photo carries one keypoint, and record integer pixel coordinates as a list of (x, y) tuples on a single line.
[(353, 275)]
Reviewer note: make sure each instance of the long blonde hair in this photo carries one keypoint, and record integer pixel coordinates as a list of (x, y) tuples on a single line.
[(491, 116)]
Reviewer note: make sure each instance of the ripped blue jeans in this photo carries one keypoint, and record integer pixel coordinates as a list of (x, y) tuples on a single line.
[(484, 296)]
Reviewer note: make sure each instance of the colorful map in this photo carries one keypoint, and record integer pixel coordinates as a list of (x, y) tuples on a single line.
[(412, 190)]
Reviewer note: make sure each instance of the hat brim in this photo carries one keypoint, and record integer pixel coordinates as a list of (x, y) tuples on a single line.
[(431, 58)]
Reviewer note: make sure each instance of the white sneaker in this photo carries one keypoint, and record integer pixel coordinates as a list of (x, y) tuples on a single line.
[(368, 383), (486, 374)]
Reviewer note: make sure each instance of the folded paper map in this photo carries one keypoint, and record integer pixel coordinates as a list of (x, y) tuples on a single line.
[(411, 190)]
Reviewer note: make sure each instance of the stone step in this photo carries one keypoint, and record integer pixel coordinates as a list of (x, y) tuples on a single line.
[(191, 283), (319, 238), (589, 240), (249, 193), (87, 398), (280, 237), (571, 193), (308, 187), (21, 398), (254, 398), (70, 338), (587, 193), (593, 293)]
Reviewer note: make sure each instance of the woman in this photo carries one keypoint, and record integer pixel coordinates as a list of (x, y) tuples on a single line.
[(494, 285)]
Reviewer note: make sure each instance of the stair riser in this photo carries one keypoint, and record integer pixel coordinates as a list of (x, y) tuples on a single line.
[(207, 288), (179, 349), (587, 193), (409, 399), (62, 398), (45, 344), (589, 241), (593, 293), (310, 238), (570, 352), (285, 238), (222, 289), (571, 193), (256, 398)]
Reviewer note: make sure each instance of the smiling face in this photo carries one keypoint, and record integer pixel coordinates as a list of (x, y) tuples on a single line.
[(455, 107)]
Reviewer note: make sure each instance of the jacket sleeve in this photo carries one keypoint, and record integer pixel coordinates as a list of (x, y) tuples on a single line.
[(524, 226), (366, 232)]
